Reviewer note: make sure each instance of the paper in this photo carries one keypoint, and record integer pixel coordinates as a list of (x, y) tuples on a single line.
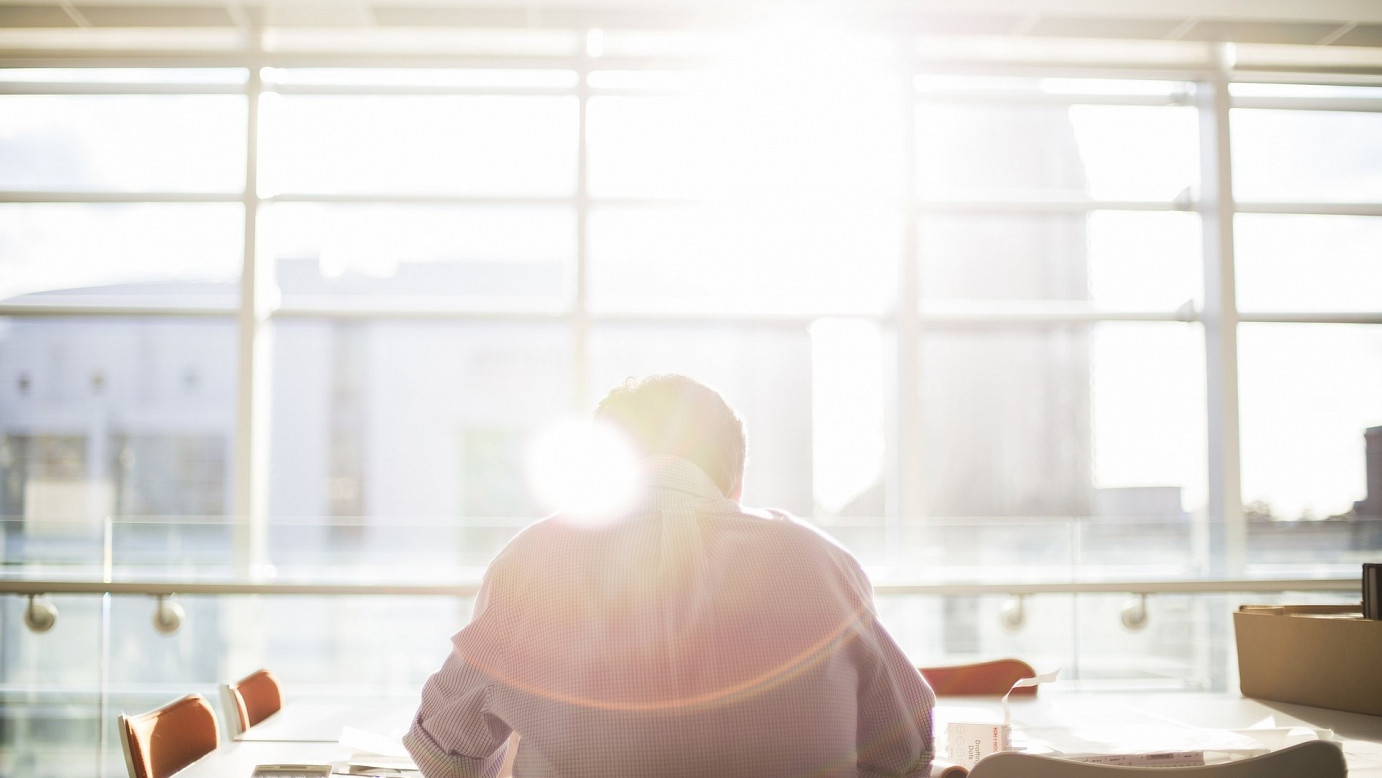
[(1021, 682), (968, 742), (370, 750), (1149, 759), (377, 762), (1113, 739), (359, 741)]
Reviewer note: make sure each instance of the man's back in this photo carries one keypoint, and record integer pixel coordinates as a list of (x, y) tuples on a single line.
[(691, 638)]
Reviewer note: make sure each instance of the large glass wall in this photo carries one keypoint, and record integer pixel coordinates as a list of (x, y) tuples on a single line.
[(966, 320)]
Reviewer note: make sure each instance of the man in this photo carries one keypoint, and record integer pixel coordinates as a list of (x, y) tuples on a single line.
[(690, 637)]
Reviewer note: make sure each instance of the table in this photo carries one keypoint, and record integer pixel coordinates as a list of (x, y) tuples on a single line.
[(322, 720), (238, 758), (1065, 720), (1086, 721), (308, 732)]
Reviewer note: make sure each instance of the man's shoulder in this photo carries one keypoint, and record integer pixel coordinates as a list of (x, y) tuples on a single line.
[(787, 531), (790, 526)]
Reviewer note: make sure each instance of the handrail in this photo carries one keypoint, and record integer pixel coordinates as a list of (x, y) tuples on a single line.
[(1190, 586)]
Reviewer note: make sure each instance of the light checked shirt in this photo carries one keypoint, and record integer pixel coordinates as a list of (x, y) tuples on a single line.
[(692, 638)]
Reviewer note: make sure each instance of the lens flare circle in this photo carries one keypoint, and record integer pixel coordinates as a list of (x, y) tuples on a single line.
[(585, 470)]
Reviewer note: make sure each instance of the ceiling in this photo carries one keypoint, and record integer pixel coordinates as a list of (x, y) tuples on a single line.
[(1338, 35), (1316, 22)]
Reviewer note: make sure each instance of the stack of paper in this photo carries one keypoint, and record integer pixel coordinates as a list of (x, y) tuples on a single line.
[(374, 754)]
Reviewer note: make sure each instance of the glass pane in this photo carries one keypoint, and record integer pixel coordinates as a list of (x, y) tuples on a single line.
[(49, 690), (1308, 263), (125, 417), (1114, 259), (110, 252), (1148, 415), (649, 147), (743, 260), (1306, 155), (766, 375), (1104, 420), (1307, 393), (491, 257), (1145, 260), (409, 420), (125, 143), (471, 145), (752, 135), (1098, 151)]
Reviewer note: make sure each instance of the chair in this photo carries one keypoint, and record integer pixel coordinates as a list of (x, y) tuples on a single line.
[(1311, 759), (163, 741), (250, 700), (995, 677)]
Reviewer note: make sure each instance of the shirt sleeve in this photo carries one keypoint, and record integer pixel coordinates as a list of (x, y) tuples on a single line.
[(455, 734), (894, 702)]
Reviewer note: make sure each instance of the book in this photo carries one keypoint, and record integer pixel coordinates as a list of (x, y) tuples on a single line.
[(944, 768)]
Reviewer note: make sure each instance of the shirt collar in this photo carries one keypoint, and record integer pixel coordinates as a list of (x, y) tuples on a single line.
[(666, 473)]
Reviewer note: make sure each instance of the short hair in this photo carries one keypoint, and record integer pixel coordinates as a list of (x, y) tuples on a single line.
[(679, 416)]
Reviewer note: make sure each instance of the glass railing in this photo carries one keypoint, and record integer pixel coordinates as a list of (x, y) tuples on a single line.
[(341, 609)]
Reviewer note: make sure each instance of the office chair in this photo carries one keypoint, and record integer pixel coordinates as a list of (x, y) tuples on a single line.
[(250, 700), (1312, 759), (994, 678), (161, 742)]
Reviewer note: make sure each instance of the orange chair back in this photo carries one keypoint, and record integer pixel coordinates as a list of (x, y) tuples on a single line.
[(162, 742), (256, 697), (995, 677)]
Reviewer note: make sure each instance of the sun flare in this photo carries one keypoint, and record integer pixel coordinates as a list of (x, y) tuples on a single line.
[(585, 470)]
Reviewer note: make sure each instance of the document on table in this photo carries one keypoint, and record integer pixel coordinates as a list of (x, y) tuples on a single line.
[(372, 750), (1159, 744)]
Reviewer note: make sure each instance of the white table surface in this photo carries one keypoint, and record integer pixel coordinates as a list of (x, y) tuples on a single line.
[(322, 720), (1085, 721), (237, 759), (1064, 720)]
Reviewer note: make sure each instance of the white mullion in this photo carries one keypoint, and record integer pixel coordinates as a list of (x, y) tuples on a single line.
[(118, 197), (1312, 209), (80, 58), (907, 495), (580, 313), (1039, 315), (38, 308), (103, 88), (1011, 98), (1043, 205), (1355, 104), (253, 380), (404, 90), (412, 199), (1312, 317), (1224, 506)]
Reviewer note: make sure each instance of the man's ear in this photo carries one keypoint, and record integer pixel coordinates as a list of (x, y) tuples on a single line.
[(737, 492)]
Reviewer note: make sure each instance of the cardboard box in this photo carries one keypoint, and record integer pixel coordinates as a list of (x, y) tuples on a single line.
[(1328, 656)]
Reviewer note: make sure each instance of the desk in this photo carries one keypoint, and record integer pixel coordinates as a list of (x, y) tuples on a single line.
[(322, 720), (1066, 720), (308, 732), (238, 758), (1074, 721)]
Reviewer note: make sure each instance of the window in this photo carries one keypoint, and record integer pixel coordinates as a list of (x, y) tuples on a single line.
[(965, 320)]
